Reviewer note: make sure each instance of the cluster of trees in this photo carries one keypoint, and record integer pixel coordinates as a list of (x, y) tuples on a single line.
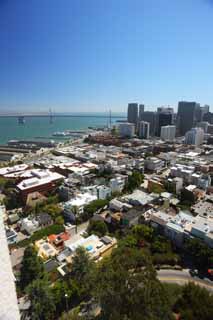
[(124, 284), (200, 253), (91, 208), (134, 181), (7, 186), (98, 228), (157, 247)]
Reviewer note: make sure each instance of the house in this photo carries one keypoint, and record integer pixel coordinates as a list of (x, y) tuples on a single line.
[(11, 236), (13, 218), (44, 219), (16, 258), (50, 265), (139, 198), (45, 249), (29, 225), (35, 198), (131, 217), (96, 247), (78, 202), (58, 240)]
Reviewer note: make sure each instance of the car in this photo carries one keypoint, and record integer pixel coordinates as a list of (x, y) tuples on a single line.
[(194, 272)]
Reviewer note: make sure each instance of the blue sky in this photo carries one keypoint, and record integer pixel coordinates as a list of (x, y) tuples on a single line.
[(92, 55)]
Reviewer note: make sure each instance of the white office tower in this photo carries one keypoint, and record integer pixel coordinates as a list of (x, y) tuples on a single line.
[(204, 125), (194, 136), (168, 133), (127, 130), (144, 130)]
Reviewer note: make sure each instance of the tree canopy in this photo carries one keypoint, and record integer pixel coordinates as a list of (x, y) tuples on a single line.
[(134, 181), (195, 303), (32, 267), (127, 288), (98, 228), (42, 306)]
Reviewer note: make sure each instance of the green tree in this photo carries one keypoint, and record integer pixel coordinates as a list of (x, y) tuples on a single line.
[(143, 232), (202, 255), (42, 306), (59, 220), (195, 303), (97, 227), (83, 271), (53, 209), (93, 206), (127, 288), (65, 294), (32, 267), (134, 181)]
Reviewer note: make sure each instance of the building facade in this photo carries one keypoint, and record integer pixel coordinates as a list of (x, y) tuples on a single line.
[(168, 133), (143, 130), (133, 113)]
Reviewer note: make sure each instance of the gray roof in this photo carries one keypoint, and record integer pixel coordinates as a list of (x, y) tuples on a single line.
[(50, 265)]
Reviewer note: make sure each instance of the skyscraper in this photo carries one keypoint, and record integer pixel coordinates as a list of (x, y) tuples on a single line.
[(187, 116), (143, 130), (150, 116), (164, 118), (168, 133), (133, 113), (141, 111), (194, 136), (208, 117)]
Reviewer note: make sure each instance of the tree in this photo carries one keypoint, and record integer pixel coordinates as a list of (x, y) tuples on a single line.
[(200, 252), (134, 181), (59, 220), (93, 206), (53, 209), (195, 303), (42, 306), (65, 294), (97, 227), (83, 271), (144, 232), (127, 288), (32, 267)]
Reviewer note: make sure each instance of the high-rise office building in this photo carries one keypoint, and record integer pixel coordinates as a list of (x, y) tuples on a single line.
[(203, 111), (164, 118), (141, 111), (126, 130), (195, 136), (143, 130), (168, 133), (150, 116), (187, 116), (204, 125), (133, 113), (208, 117)]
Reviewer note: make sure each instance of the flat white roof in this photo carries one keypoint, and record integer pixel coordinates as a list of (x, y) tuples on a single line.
[(8, 170), (8, 300), (81, 200), (39, 179)]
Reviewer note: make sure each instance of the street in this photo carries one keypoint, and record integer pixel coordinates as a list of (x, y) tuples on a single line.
[(182, 277)]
